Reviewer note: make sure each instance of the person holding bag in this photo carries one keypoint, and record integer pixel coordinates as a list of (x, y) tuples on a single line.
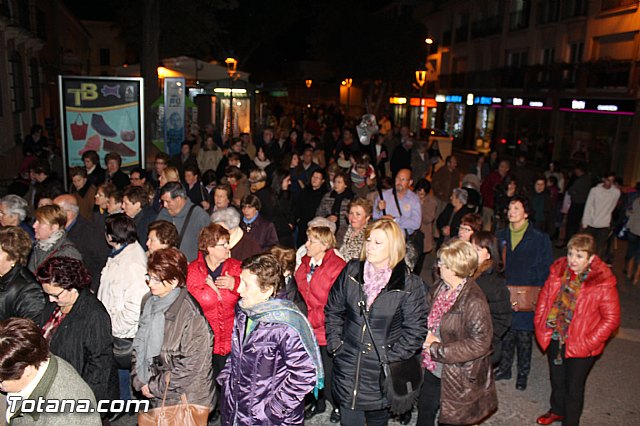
[(171, 363), (458, 377), (377, 289)]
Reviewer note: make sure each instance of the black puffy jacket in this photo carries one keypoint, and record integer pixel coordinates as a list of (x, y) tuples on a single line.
[(83, 339), (398, 318), (20, 295)]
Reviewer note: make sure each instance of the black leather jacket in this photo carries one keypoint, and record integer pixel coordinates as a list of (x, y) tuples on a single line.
[(20, 295)]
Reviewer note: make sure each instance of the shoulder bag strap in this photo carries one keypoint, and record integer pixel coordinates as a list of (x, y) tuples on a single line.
[(384, 211), (166, 388), (186, 223), (395, 197), (363, 311)]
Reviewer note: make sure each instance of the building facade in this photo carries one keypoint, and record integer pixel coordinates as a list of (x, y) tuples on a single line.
[(552, 79)]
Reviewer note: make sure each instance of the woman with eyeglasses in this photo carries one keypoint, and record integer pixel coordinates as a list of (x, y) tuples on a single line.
[(76, 325), (213, 279), (174, 341), (122, 287)]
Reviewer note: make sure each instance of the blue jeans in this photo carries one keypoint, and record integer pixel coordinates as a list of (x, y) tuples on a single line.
[(124, 378)]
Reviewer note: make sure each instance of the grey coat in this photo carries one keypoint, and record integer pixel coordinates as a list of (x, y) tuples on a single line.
[(64, 247), (199, 219), (60, 381)]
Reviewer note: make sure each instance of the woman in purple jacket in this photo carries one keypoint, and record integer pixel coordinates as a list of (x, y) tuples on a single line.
[(275, 360)]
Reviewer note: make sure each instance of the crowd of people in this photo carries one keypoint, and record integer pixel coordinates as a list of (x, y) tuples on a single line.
[(272, 279)]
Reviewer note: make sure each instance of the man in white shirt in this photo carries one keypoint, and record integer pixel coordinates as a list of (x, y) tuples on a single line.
[(601, 202)]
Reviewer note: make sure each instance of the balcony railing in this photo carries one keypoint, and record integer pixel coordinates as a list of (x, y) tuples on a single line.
[(606, 74), (487, 27), (519, 20)]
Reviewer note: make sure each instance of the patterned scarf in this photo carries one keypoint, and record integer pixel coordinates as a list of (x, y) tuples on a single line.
[(374, 281), (563, 308), (442, 304)]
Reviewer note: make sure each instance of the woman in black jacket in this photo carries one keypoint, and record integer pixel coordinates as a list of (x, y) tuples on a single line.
[(489, 278), (77, 326), (20, 294), (282, 214), (395, 304)]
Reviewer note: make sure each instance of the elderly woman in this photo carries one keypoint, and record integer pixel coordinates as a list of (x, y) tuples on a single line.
[(172, 348), (161, 235), (360, 210), (458, 376), (51, 237), (20, 294), (13, 212), (577, 311), (334, 204), (222, 197), (213, 279), (254, 224), (274, 359), (319, 269), (469, 225), (379, 286), (77, 326), (122, 286), (28, 369), (448, 222), (83, 190), (489, 278), (238, 182), (241, 245)]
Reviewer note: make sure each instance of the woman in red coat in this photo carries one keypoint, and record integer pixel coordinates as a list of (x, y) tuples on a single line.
[(577, 311), (213, 279), (315, 276)]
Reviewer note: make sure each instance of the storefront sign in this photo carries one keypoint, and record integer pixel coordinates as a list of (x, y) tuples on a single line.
[(599, 106), (174, 90), (102, 114), (423, 102), (397, 101), (530, 103), (451, 99)]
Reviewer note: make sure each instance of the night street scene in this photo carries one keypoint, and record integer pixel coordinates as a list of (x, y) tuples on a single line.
[(349, 212)]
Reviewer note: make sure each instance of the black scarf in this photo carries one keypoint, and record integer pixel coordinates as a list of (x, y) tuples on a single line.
[(338, 198)]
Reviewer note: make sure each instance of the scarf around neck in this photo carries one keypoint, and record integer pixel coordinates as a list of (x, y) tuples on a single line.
[(374, 281), (517, 234), (46, 245), (281, 311), (150, 335)]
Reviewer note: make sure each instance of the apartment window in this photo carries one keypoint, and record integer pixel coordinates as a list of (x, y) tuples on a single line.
[(572, 8), (575, 52), (23, 14), (17, 83), (548, 56), (517, 59), (548, 11), (105, 57), (34, 78), (614, 4), (519, 15)]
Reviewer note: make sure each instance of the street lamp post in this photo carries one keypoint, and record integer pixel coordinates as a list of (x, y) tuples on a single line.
[(348, 82), (232, 65)]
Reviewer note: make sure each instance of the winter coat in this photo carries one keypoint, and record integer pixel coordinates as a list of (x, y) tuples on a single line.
[(142, 220), (217, 308), (266, 377), (198, 220), (398, 318), (468, 392), (306, 206), (83, 339), (92, 245), (527, 265), (283, 218), (86, 198), (316, 292), (245, 247), (208, 159), (186, 354), (495, 290), (597, 313), (62, 248), (543, 219), (122, 287), (325, 210), (59, 382), (262, 232), (20, 294)]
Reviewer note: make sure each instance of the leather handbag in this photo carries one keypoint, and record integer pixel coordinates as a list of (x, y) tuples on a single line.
[(183, 414), (79, 129), (524, 297), (122, 352)]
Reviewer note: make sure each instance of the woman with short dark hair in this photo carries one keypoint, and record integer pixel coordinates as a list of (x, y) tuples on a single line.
[(174, 341), (20, 294), (28, 368), (122, 284), (76, 324), (162, 234), (255, 224)]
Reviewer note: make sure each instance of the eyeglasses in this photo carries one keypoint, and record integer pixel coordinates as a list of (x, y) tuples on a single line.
[(57, 296), (466, 229), (225, 245), (152, 280)]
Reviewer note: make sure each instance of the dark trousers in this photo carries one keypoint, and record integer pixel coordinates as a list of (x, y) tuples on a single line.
[(325, 394), (522, 341), (600, 235), (574, 219), (567, 384), (218, 362), (350, 417), (429, 401)]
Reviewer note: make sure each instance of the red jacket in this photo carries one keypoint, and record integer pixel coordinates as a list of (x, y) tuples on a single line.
[(219, 310), (316, 292), (597, 313)]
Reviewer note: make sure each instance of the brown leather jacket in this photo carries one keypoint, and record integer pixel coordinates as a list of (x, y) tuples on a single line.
[(186, 353), (468, 392)]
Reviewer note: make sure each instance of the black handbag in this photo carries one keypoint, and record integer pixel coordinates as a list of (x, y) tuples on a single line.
[(401, 380), (122, 352)]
